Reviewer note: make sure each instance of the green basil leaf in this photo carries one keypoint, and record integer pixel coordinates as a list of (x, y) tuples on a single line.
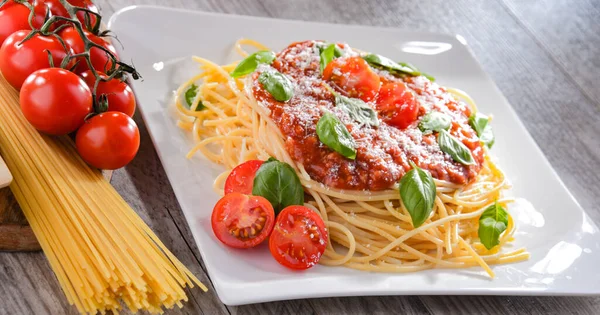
[(480, 124), (249, 64), (457, 150), (332, 132), (278, 182), (417, 191), (277, 84), (190, 96), (327, 55), (492, 222), (388, 64), (434, 121), (357, 109), (430, 78)]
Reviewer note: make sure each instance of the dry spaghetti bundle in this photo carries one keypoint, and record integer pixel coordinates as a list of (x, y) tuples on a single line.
[(373, 227), (99, 248)]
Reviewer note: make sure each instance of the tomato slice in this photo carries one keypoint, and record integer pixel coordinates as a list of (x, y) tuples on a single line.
[(354, 76), (241, 178), (242, 221), (299, 238), (397, 105)]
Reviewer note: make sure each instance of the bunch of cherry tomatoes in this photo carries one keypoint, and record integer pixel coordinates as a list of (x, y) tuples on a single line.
[(56, 73)]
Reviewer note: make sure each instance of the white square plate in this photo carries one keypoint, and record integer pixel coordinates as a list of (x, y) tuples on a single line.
[(562, 240)]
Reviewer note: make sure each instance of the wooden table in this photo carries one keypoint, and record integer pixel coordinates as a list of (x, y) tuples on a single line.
[(545, 57)]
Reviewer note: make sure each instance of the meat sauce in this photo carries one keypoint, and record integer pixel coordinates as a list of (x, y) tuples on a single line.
[(383, 152)]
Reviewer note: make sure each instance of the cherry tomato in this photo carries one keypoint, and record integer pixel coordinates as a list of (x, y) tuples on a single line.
[(397, 105), (99, 58), (17, 62), (299, 238), (108, 141), (241, 178), (119, 94), (242, 221), (15, 17), (353, 76), (55, 101), (57, 9)]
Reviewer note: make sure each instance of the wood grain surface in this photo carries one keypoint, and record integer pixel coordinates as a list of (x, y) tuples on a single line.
[(544, 56)]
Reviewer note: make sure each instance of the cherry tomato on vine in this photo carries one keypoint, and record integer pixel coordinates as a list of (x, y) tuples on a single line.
[(242, 221), (119, 94), (55, 101), (18, 61), (57, 9), (299, 238), (397, 105), (241, 178), (99, 58), (15, 17), (354, 76), (108, 141)]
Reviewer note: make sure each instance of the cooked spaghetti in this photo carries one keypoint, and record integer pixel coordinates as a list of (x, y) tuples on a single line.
[(233, 120)]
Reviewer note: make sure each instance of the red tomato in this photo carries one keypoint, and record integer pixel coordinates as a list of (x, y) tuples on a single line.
[(17, 62), (57, 9), (55, 101), (15, 17), (99, 58), (354, 76), (242, 221), (241, 178), (108, 141), (299, 238), (119, 94), (397, 105)]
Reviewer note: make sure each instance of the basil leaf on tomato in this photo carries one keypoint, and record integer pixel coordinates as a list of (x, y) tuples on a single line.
[(278, 182), (357, 109), (190, 96), (492, 223), (456, 149), (434, 121), (417, 192), (334, 134), (327, 55), (277, 84), (480, 124), (250, 63), (388, 64)]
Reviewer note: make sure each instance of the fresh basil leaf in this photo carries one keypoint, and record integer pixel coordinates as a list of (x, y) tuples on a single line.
[(337, 51), (492, 222), (278, 182), (480, 124), (430, 78), (388, 64), (327, 55), (434, 121), (277, 84), (332, 132), (249, 64), (357, 109), (417, 191), (190, 96), (457, 150)]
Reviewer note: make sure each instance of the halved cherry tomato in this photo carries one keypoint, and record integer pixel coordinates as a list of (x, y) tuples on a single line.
[(119, 94), (353, 76), (55, 101), (99, 58), (241, 178), (397, 105), (299, 238), (57, 9), (108, 141), (15, 17), (242, 221), (18, 61)]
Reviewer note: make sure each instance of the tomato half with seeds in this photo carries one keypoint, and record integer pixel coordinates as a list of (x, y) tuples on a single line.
[(242, 221), (397, 105), (241, 178), (354, 76), (299, 238)]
